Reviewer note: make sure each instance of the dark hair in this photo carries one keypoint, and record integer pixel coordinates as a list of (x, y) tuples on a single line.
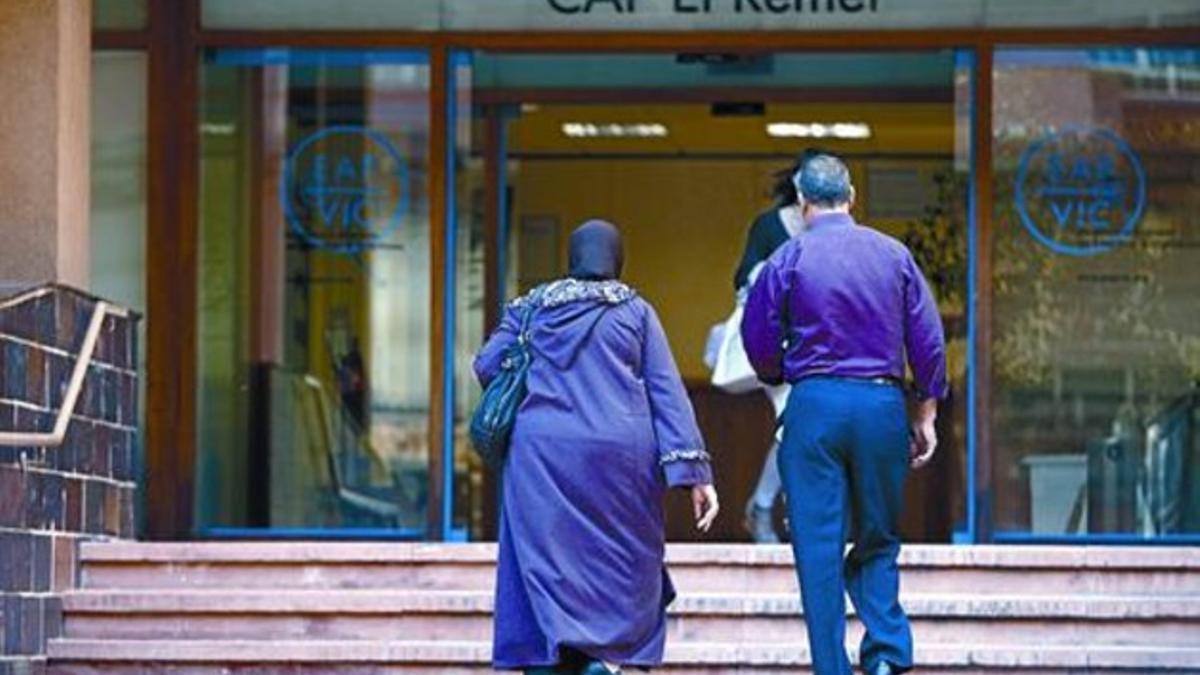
[(783, 191), (825, 181)]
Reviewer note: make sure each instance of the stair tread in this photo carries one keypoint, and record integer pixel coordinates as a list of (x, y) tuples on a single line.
[(313, 604), (351, 651), (376, 601), (746, 555)]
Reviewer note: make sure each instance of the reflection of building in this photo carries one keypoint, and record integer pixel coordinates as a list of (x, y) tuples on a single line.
[(319, 212)]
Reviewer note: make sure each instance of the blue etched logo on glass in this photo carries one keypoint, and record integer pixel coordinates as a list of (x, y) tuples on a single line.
[(344, 189), (1080, 191)]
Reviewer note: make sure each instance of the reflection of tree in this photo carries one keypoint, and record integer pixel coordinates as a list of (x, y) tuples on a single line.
[(1029, 312), (938, 242), (1108, 311), (938, 239)]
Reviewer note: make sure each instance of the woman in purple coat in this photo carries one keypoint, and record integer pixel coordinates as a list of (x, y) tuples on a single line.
[(606, 428)]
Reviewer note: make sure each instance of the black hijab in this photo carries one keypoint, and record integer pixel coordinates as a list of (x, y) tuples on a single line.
[(596, 252)]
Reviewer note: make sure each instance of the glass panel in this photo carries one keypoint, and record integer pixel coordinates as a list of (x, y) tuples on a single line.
[(118, 14), (473, 494), (683, 15), (940, 241), (681, 153), (314, 287), (1097, 261), (118, 189), (118, 174)]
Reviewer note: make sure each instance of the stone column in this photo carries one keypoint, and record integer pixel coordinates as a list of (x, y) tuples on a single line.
[(45, 98)]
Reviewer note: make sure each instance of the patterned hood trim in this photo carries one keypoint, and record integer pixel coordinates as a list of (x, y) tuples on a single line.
[(566, 291)]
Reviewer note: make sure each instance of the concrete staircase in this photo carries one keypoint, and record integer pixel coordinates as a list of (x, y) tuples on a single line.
[(422, 608)]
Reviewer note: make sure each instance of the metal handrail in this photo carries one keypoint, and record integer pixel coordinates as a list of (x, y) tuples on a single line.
[(22, 298), (378, 506), (82, 363)]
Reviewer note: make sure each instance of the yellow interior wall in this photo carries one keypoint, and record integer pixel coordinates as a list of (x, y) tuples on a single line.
[(684, 223), (685, 218), (352, 295)]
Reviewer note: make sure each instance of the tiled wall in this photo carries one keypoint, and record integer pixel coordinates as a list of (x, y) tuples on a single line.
[(52, 497)]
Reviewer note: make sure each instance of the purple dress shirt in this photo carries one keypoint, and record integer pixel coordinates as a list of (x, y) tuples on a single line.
[(848, 301)]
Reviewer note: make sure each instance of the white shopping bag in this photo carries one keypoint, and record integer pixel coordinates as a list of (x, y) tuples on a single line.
[(779, 398), (732, 371), (712, 346)]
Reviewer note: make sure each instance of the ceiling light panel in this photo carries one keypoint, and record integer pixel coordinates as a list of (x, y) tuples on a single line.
[(838, 130), (614, 130)]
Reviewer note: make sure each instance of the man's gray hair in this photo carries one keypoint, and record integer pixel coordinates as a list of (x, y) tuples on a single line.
[(825, 182)]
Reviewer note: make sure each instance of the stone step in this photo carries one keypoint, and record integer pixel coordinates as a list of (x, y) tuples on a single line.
[(710, 617), (319, 607), (80, 657), (730, 568)]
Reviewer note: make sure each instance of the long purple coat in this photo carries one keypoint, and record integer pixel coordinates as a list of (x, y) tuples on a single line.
[(606, 428)]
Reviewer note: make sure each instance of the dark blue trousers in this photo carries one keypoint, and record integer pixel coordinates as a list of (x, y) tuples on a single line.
[(843, 460)]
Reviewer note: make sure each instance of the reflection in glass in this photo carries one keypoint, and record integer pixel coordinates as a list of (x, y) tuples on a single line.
[(118, 14), (315, 318), (1097, 262), (118, 174), (474, 506), (118, 189)]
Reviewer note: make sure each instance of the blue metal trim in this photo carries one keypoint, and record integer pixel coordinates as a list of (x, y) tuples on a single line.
[(1096, 539), (348, 58), (406, 534), (450, 301), (968, 60)]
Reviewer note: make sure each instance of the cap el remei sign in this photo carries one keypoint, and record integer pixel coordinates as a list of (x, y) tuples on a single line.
[(803, 14), (690, 15), (716, 6)]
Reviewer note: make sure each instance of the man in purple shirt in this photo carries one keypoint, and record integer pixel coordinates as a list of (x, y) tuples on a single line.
[(835, 312)]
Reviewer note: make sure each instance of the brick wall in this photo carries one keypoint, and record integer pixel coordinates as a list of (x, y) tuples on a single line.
[(52, 497)]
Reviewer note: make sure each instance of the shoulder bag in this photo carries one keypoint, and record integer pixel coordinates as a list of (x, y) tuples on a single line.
[(496, 415)]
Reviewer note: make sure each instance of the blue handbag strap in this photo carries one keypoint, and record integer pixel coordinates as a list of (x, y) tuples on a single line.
[(531, 308)]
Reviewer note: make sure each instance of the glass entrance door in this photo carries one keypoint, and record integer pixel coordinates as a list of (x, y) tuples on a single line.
[(681, 151), (315, 321)]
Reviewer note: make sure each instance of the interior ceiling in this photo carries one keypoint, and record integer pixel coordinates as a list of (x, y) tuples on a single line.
[(492, 70), (896, 129)]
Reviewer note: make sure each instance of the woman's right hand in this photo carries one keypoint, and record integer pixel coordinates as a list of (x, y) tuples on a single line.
[(705, 506)]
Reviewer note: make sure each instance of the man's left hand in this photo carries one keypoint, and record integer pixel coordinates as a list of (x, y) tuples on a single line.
[(923, 441)]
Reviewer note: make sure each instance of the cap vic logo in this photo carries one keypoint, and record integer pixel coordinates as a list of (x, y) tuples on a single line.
[(1080, 191), (344, 188)]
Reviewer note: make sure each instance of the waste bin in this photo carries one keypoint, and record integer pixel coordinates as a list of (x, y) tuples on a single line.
[(1055, 485)]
